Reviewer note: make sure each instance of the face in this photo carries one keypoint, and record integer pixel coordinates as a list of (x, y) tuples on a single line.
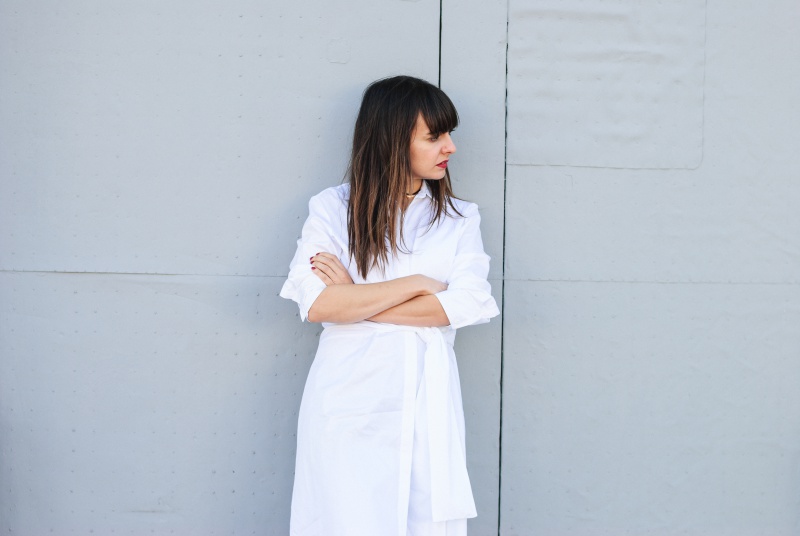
[(429, 152)]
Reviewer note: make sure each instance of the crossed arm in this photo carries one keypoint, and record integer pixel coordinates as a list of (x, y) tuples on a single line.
[(408, 301)]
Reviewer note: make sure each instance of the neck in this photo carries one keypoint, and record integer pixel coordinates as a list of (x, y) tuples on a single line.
[(416, 184)]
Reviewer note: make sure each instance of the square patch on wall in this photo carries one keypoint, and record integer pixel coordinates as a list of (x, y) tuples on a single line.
[(606, 83)]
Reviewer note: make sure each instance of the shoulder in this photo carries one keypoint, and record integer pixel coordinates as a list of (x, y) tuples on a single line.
[(465, 208), (334, 194), (330, 200)]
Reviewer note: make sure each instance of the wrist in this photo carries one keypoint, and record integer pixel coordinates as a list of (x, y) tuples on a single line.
[(420, 285)]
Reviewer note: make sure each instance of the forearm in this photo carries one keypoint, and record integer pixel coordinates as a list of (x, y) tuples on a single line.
[(422, 311), (352, 303)]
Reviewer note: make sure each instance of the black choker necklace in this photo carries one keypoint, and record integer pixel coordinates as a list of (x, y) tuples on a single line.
[(415, 193)]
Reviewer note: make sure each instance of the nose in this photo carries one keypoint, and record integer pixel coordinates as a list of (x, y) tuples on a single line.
[(449, 147)]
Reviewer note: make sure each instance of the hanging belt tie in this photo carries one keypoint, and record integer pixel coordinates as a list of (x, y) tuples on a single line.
[(451, 493)]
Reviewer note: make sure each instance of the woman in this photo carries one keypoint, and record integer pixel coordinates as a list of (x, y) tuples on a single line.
[(392, 264)]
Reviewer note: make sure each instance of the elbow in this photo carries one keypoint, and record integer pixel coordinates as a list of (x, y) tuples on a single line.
[(319, 313), (313, 315), (317, 310)]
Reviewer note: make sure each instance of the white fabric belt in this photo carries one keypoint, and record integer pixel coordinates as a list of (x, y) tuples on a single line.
[(451, 493)]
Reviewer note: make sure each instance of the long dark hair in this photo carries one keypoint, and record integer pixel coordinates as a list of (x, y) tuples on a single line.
[(380, 168)]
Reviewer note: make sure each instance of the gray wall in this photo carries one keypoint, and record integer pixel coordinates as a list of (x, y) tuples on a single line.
[(637, 172), (652, 308)]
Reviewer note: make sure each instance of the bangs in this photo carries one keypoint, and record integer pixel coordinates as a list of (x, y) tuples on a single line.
[(437, 110)]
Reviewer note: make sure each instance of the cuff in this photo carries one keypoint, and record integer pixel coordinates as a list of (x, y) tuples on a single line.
[(466, 308), (304, 293)]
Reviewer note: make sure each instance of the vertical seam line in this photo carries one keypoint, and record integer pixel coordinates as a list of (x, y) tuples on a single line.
[(503, 288), (439, 81)]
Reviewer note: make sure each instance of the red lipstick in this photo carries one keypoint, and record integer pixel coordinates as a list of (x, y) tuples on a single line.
[(442, 165)]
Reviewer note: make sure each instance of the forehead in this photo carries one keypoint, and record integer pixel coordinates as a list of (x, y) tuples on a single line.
[(421, 127)]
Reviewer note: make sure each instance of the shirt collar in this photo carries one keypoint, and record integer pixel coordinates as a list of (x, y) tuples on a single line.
[(424, 191)]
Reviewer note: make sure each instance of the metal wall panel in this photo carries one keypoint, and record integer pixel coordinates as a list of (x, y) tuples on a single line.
[(171, 138), (733, 219), (651, 350), (725, 222), (606, 84), (145, 404), (651, 408)]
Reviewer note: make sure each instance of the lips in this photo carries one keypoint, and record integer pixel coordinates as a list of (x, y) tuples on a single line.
[(442, 165)]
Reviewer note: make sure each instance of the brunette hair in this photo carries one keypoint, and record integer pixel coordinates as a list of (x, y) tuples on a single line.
[(380, 167)]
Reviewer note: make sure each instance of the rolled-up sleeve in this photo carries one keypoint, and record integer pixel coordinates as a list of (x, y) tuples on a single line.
[(302, 285), (468, 299)]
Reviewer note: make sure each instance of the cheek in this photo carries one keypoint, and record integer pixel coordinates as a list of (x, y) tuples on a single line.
[(417, 158), (427, 155)]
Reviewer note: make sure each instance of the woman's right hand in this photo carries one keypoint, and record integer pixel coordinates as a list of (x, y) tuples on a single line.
[(330, 269)]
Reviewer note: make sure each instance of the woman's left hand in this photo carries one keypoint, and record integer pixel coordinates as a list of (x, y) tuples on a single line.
[(330, 269)]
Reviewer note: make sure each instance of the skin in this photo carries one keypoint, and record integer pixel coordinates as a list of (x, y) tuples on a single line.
[(426, 150), (408, 301)]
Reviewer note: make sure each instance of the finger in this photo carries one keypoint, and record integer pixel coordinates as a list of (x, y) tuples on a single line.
[(321, 268), (331, 266), (339, 265), (321, 264), (335, 267), (326, 264), (324, 255), (323, 276), (330, 257), (336, 277), (320, 259)]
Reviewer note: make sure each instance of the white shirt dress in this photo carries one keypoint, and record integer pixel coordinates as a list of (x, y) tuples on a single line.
[(380, 439)]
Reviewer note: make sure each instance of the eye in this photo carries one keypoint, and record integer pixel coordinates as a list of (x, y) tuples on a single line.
[(434, 137)]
